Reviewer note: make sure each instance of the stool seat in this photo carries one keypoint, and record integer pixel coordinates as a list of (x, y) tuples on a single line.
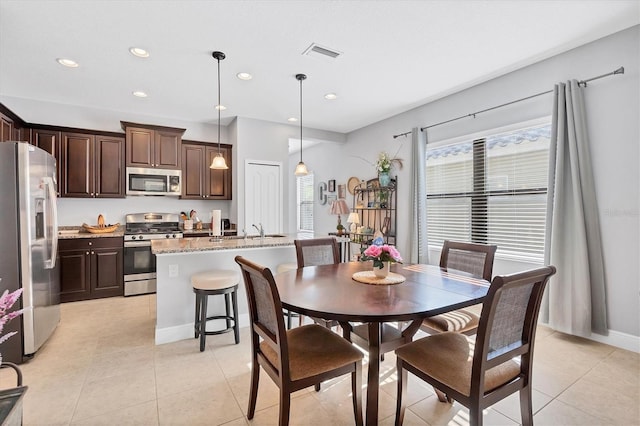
[(217, 279), (211, 283)]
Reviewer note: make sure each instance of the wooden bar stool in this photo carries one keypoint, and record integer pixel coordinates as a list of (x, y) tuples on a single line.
[(210, 283)]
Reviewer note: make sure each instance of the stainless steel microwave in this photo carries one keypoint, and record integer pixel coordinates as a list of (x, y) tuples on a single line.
[(143, 181)]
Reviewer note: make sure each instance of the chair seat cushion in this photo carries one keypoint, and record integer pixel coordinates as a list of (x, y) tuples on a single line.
[(460, 321), (314, 350), (447, 357), (215, 279)]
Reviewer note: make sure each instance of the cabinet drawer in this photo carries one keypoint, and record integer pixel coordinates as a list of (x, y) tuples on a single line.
[(86, 243)]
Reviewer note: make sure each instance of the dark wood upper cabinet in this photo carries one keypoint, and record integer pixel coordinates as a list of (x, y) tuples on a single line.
[(109, 167), (48, 140), (6, 129), (219, 182), (153, 146), (199, 181), (92, 166)]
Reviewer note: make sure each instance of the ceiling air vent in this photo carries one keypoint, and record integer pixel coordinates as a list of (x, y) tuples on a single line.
[(322, 52)]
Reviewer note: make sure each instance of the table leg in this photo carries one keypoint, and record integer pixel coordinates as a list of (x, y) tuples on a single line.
[(373, 378)]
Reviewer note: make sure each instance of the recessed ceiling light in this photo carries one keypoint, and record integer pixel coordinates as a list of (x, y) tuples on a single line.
[(67, 62), (139, 52), (221, 107), (292, 119), (330, 96), (140, 94), (244, 76)]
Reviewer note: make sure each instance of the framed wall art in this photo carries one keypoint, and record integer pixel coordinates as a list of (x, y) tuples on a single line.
[(342, 191), (332, 186)]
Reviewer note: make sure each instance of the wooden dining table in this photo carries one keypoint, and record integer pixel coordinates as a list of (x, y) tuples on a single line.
[(330, 292)]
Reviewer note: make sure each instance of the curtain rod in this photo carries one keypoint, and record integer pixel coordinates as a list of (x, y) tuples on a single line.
[(581, 83)]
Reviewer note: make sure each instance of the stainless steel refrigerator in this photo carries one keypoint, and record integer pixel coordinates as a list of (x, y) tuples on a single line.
[(29, 246)]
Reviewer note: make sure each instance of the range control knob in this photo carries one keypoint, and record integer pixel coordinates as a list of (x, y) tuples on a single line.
[(167, 236), (173, 236)]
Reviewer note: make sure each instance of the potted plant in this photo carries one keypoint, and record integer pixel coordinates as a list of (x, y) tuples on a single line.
[(382, 255)]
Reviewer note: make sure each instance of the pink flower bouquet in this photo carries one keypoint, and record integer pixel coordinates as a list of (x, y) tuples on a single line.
[(381, 253)]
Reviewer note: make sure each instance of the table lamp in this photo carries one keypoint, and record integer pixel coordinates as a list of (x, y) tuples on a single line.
[(354, 220), (339, 207)]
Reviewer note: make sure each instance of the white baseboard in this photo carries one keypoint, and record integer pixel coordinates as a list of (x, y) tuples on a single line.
[(185, 331), (615, 338), (619, 340)]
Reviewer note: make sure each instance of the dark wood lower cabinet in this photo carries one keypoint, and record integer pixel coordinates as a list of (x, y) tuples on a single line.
[(91, 268)]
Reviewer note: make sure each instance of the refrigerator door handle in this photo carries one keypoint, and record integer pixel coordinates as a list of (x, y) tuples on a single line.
[(52, 221)]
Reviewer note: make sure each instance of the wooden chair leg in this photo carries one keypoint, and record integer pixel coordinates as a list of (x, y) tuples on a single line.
[(475, 415), (526, 408), (402, 392), (356, 391), (253, 391), (285, 406), (442, 397)]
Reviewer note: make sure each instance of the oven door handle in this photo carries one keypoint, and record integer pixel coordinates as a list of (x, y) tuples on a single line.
[(137, 243)]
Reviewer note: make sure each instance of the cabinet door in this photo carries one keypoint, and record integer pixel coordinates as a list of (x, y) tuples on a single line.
[(74, 275), (77, 166), (193, 169), (140, 147), (107, 273), (109, 167), (6, 129), (167, 149), (47, 140), (219, 181)]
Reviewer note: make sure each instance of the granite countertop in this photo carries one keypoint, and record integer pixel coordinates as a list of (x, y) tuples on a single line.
[(188, 245), (72, 232)]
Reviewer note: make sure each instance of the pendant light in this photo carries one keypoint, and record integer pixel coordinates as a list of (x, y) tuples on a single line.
[(301, 168), (218, 161)]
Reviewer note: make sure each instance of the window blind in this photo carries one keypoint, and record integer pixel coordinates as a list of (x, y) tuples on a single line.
[(491, 190), (304, 197)]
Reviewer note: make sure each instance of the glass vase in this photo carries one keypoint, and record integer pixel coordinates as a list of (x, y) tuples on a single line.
[(384, 179)]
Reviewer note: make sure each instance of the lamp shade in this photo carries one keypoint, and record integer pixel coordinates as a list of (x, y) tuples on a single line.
[(339, 207), (354, 218)]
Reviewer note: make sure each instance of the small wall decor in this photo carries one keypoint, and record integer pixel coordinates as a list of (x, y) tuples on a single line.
[(342, 191), (322, 188), (332, 185)]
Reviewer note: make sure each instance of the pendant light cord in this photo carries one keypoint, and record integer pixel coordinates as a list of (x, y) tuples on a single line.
[(301, 120), (219, 108)]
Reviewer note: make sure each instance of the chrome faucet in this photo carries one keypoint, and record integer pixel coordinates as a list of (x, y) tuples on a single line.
[(260, 230)]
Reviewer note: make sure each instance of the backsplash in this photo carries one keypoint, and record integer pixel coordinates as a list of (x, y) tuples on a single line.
[(76, 211)]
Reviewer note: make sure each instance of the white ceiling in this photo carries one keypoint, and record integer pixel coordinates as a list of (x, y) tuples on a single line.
[(396, 54)]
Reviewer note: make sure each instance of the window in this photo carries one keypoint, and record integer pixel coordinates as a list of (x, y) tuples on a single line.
[(304, 203), (491, 190)]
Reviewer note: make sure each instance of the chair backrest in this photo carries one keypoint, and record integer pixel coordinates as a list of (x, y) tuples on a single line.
[(317, 251), (508, 322), (265, 312), (473, 258)]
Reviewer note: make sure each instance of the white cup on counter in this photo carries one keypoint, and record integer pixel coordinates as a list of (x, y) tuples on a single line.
[(188, 224)]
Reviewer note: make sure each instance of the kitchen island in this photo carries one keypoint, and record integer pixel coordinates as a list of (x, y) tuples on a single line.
[(177, 260)]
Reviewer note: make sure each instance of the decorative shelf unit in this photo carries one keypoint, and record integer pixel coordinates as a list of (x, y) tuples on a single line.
[(377, 207)]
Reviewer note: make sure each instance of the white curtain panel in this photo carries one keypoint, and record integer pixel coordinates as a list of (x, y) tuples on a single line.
[(419, 246), (575, 301)]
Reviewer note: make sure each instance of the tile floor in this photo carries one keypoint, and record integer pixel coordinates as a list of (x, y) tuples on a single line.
[(101, 367)]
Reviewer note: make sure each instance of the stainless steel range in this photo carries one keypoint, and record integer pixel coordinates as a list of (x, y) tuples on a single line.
[(139, 262)]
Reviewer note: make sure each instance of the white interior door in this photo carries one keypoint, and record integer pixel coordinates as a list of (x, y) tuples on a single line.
[(263, 196)]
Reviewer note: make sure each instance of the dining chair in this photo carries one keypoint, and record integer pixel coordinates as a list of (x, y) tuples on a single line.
[(296, 358), (316, 252), (470, 258), (498, 362)]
